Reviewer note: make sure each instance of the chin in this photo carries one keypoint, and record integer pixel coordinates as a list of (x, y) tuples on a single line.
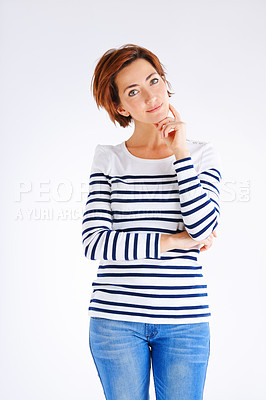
[(162, 115)]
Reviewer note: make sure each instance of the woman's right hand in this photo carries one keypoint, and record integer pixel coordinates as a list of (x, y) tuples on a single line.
[(207, 245), (182, 240)]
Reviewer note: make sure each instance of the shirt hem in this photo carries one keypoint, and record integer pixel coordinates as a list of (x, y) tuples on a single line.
[(149, 320)]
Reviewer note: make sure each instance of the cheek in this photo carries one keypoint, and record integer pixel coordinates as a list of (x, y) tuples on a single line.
[(136, 105), (164, 89)]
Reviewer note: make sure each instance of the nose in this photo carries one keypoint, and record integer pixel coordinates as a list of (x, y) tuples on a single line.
[(150, 98)]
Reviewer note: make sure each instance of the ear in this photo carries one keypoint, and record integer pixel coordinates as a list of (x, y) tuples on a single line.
[(122, 111)]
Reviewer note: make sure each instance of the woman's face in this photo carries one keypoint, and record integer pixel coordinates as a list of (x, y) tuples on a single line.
[(146, 92)]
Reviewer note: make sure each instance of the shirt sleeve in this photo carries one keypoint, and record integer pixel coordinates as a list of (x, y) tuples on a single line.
[(200, 193), (100, 240)]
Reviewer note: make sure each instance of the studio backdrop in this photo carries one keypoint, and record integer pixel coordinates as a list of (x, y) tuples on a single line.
[(214, 56)]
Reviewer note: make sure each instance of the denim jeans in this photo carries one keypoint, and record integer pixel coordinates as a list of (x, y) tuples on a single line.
[(124, 351)]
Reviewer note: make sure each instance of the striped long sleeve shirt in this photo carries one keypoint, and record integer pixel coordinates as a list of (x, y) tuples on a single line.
[(131, 202)]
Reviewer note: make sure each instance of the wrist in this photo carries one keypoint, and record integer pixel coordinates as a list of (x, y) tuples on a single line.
[(181, 153), (166, 242)]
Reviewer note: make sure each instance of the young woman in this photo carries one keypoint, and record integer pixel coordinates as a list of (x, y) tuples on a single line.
[(153, 205)]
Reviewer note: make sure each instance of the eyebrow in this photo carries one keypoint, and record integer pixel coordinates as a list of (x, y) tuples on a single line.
[(135, 84)]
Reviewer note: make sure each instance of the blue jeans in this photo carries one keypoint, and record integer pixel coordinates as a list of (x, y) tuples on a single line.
[(123, 352)]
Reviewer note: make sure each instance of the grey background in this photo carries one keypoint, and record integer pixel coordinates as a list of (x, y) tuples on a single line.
[(214, 54)]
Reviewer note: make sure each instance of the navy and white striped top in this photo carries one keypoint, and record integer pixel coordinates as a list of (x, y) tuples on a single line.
[(131, 202)]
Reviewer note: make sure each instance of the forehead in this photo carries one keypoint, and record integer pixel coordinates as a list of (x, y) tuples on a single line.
[(135, 72)]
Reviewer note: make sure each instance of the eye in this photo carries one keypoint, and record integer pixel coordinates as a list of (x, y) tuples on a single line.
[(131, 92), (156, 79)]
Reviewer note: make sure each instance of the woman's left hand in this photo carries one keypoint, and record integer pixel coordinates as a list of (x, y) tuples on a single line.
[(173, 131)]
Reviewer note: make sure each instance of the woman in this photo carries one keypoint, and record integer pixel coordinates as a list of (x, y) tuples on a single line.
[(153, 205)]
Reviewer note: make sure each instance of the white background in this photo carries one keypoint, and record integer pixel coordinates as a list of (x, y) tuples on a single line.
[(214, 55)]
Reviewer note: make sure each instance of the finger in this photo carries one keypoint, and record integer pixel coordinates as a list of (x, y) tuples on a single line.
[(164, 122), (170, 128), (203, 248), (206, 247), (171, 125), (174, 112), (208, 242)]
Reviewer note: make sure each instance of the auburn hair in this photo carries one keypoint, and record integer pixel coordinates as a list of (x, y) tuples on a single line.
[(105, 91)]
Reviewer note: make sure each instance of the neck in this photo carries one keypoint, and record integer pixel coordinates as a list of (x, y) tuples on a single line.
[(146, 135)]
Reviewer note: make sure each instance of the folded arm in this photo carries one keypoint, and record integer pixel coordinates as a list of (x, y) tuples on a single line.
[(100, 240), (199, 193)]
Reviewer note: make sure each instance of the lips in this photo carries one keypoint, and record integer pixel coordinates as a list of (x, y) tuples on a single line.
[(155, 108)]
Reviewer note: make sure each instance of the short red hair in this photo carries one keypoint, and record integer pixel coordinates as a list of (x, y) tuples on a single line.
[(105, 91)]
